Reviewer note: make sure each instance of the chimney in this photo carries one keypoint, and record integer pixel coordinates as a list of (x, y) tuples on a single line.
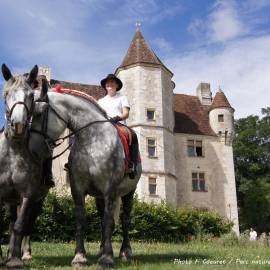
[(204, 93), (46, 71)]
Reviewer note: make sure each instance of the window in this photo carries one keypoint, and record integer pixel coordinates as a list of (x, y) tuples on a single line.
[(221, 118), (152, 185), (150, 114), (198, 181), (194, 148), (151, 147)]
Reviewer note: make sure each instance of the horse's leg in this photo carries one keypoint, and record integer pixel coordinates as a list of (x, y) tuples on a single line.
[(26, 256), (106, 260), (12, 210), (79, 200), (14, 260), (1, 234), (2, 262), (29, 230), (127, 201), (100, 208)]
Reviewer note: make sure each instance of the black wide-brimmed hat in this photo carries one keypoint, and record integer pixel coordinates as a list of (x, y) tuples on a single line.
[(111, 77)]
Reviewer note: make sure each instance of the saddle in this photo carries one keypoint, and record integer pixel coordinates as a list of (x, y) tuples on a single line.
[(126, 137)]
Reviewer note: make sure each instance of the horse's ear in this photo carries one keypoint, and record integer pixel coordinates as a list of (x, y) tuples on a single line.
[(44, 91), (6, 72), (32, 75)]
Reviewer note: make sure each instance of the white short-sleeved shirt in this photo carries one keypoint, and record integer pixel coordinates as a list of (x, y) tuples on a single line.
[(114, 105)]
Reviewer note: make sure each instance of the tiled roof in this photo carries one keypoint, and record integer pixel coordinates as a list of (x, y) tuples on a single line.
[(95, 91), (220, 101), (140, 52), (191, 116)]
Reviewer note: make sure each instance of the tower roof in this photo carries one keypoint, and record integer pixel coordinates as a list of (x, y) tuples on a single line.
[(140, 52), (220, 101)]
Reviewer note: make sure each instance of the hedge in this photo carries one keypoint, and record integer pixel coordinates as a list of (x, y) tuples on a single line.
[(150, 222)]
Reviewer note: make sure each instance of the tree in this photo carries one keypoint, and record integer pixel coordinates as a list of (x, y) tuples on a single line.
[(252, 168)]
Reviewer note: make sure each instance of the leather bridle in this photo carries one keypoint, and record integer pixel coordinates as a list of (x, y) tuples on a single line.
[(29, 111)]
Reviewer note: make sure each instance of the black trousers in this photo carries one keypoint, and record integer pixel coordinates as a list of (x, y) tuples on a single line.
[(134, 148), (47, 170)]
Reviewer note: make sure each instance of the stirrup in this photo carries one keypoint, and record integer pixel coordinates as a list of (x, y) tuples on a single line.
[(132, 172)]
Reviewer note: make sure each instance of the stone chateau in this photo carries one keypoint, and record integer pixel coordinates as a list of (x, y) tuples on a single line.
[(185, 140)]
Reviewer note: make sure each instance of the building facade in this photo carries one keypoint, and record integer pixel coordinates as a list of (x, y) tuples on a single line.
[(185, 141)]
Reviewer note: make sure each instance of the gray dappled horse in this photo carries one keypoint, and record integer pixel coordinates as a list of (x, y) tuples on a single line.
[(21, 174), (96, 167)]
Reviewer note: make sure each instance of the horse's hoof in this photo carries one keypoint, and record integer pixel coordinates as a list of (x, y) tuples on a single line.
[(14, 263), (125, 254), (79, 260), (2, 262), (100, 253), (27, 256), (105, 261)]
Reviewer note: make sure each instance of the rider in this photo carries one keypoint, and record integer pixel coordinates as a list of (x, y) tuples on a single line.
[(117, 108)]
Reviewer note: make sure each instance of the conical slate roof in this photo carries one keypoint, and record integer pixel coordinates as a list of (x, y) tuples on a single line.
[(140, 52), (220, 101)]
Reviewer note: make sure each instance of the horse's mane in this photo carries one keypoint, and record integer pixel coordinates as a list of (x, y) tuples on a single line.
[(16, 81), (89, 98)]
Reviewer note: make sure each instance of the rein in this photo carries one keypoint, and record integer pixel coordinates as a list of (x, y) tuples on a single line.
[(51, 143)]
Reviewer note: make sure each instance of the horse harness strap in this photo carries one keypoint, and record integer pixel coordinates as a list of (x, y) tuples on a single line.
[(52, 143)]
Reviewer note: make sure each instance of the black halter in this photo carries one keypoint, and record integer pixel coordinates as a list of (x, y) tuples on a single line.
[(29, 111)]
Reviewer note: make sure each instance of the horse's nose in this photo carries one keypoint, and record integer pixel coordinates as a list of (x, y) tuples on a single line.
[(19, 128)]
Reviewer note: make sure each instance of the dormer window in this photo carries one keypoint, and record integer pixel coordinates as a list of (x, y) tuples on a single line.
[(221, 118), (150, 114)]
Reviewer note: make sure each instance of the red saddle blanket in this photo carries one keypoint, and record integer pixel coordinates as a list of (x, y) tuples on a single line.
[(126, 147)]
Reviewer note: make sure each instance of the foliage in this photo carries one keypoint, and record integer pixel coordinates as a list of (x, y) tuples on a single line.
[(149, 222), (252, 167)]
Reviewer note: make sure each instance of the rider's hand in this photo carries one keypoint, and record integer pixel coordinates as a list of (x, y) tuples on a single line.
[(116, 119)]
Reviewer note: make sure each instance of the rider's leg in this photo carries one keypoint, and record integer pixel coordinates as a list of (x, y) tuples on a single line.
[(134, 149), (47, 173)]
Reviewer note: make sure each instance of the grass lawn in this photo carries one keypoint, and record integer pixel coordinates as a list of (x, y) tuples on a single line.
[(191, 255)]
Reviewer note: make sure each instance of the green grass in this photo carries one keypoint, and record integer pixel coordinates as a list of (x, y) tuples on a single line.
[(158, 256)]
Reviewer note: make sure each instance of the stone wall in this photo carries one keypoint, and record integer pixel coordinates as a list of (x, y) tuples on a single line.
[(217, 164)]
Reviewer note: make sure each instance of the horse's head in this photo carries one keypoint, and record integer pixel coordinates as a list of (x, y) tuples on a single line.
[(19, 101)]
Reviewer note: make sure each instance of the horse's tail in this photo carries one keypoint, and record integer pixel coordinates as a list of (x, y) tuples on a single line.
[(117, 210)]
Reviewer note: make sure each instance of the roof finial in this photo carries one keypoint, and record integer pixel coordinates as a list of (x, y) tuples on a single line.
[(138, 25)]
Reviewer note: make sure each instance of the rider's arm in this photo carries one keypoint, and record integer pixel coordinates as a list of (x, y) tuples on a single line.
[(125, 113), (125, 108)]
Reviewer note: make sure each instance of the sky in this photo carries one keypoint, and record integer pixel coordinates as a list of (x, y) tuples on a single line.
[(225, 43)]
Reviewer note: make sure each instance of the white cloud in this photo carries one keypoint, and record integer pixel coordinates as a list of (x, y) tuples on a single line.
[(241, 68), (58, 34), (146, 11), (222, 24), (162, 44)]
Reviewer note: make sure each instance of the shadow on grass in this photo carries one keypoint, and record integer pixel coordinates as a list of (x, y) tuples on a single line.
[(141, 259), (58, 261)]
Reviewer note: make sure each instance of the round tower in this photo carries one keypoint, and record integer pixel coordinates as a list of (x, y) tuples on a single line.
[(148, 84), (221, 118)]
